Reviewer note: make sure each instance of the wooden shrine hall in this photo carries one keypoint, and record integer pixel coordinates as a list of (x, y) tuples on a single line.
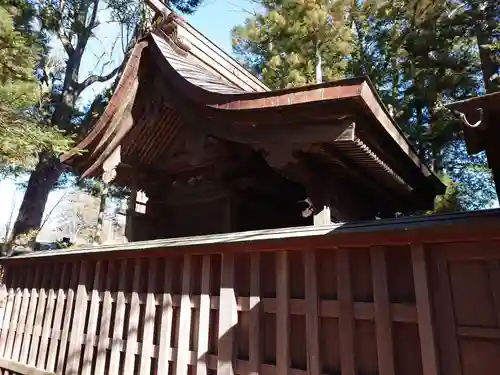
[(215, 151)]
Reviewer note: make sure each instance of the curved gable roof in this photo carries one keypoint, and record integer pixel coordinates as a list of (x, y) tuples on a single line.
[(237, 105)]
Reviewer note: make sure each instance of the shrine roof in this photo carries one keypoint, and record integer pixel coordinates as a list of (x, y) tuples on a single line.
[(180, 77)]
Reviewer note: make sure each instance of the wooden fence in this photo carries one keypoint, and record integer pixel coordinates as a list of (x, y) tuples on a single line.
[(410, 296)]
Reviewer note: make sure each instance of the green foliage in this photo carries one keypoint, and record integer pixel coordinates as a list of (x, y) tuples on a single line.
[(22, 134)]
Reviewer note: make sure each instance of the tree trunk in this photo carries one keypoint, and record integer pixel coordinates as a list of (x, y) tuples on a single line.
[(484, 37), (41, 182)]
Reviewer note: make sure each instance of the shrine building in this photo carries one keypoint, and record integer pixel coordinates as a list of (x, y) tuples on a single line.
[(205, 147)]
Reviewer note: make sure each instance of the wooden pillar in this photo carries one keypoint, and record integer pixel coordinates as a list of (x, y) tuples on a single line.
[(109, 174), (493, 155), (130, 211), (496, 180)]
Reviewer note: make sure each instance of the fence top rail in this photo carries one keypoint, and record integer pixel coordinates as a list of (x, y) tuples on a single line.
[(21, 368), (472, 226)]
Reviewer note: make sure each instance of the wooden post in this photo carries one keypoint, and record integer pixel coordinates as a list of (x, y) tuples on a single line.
[(109, 174), (282, 314), (425, 327), (346, 315), (323, 216), (228, 316), (383, 319)]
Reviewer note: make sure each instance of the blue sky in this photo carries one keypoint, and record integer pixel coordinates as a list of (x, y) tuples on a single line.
[(215, 19)]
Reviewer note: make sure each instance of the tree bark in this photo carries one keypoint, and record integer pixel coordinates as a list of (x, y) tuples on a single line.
[(41, 181)]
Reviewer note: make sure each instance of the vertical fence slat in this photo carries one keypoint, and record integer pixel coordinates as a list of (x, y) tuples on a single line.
[(228, 316), (282, 314), (15, 317), (184, 320), (3, 302), (70, 296), (21, 323), (383, 320), (114, 361), (40, 311), (149, 321), (312, 314), (346, 318), (92, 322), (445, 319), (9, 306), (133, 322), (204, 319), (425, 328), (58, 315), (166, 320), (102, 345), (47, 323), (78, 322), (254, 345)]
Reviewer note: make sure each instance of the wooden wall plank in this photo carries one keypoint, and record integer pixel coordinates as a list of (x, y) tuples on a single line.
[(383, 320), (425, 328), (282, 313), (312, 315), (58, 316), (445, 318), (104, 329), (228, 316), (182, 359), (114, 361), (149, 321), (9, 306), (40, 311), (165, 333), (92, 322), (18, 299), (67, 318), (21, 323), (204, 317), (255, 311), (47, 323), (133, 321), (78, 322), (346, 316)]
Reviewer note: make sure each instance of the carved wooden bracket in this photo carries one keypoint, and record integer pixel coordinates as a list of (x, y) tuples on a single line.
[(168, 23), (110, 164)]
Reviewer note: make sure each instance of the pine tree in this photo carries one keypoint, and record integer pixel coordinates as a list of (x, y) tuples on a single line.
[(22, 133), (295, 42)]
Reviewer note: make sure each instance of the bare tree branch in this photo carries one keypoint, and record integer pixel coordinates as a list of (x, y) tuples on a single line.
[(99, 78)]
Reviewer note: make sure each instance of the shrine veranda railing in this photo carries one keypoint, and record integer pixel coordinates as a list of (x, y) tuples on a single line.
[(407, 296)]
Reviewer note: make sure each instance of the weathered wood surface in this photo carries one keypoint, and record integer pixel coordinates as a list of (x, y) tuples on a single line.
[(420, 308)]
